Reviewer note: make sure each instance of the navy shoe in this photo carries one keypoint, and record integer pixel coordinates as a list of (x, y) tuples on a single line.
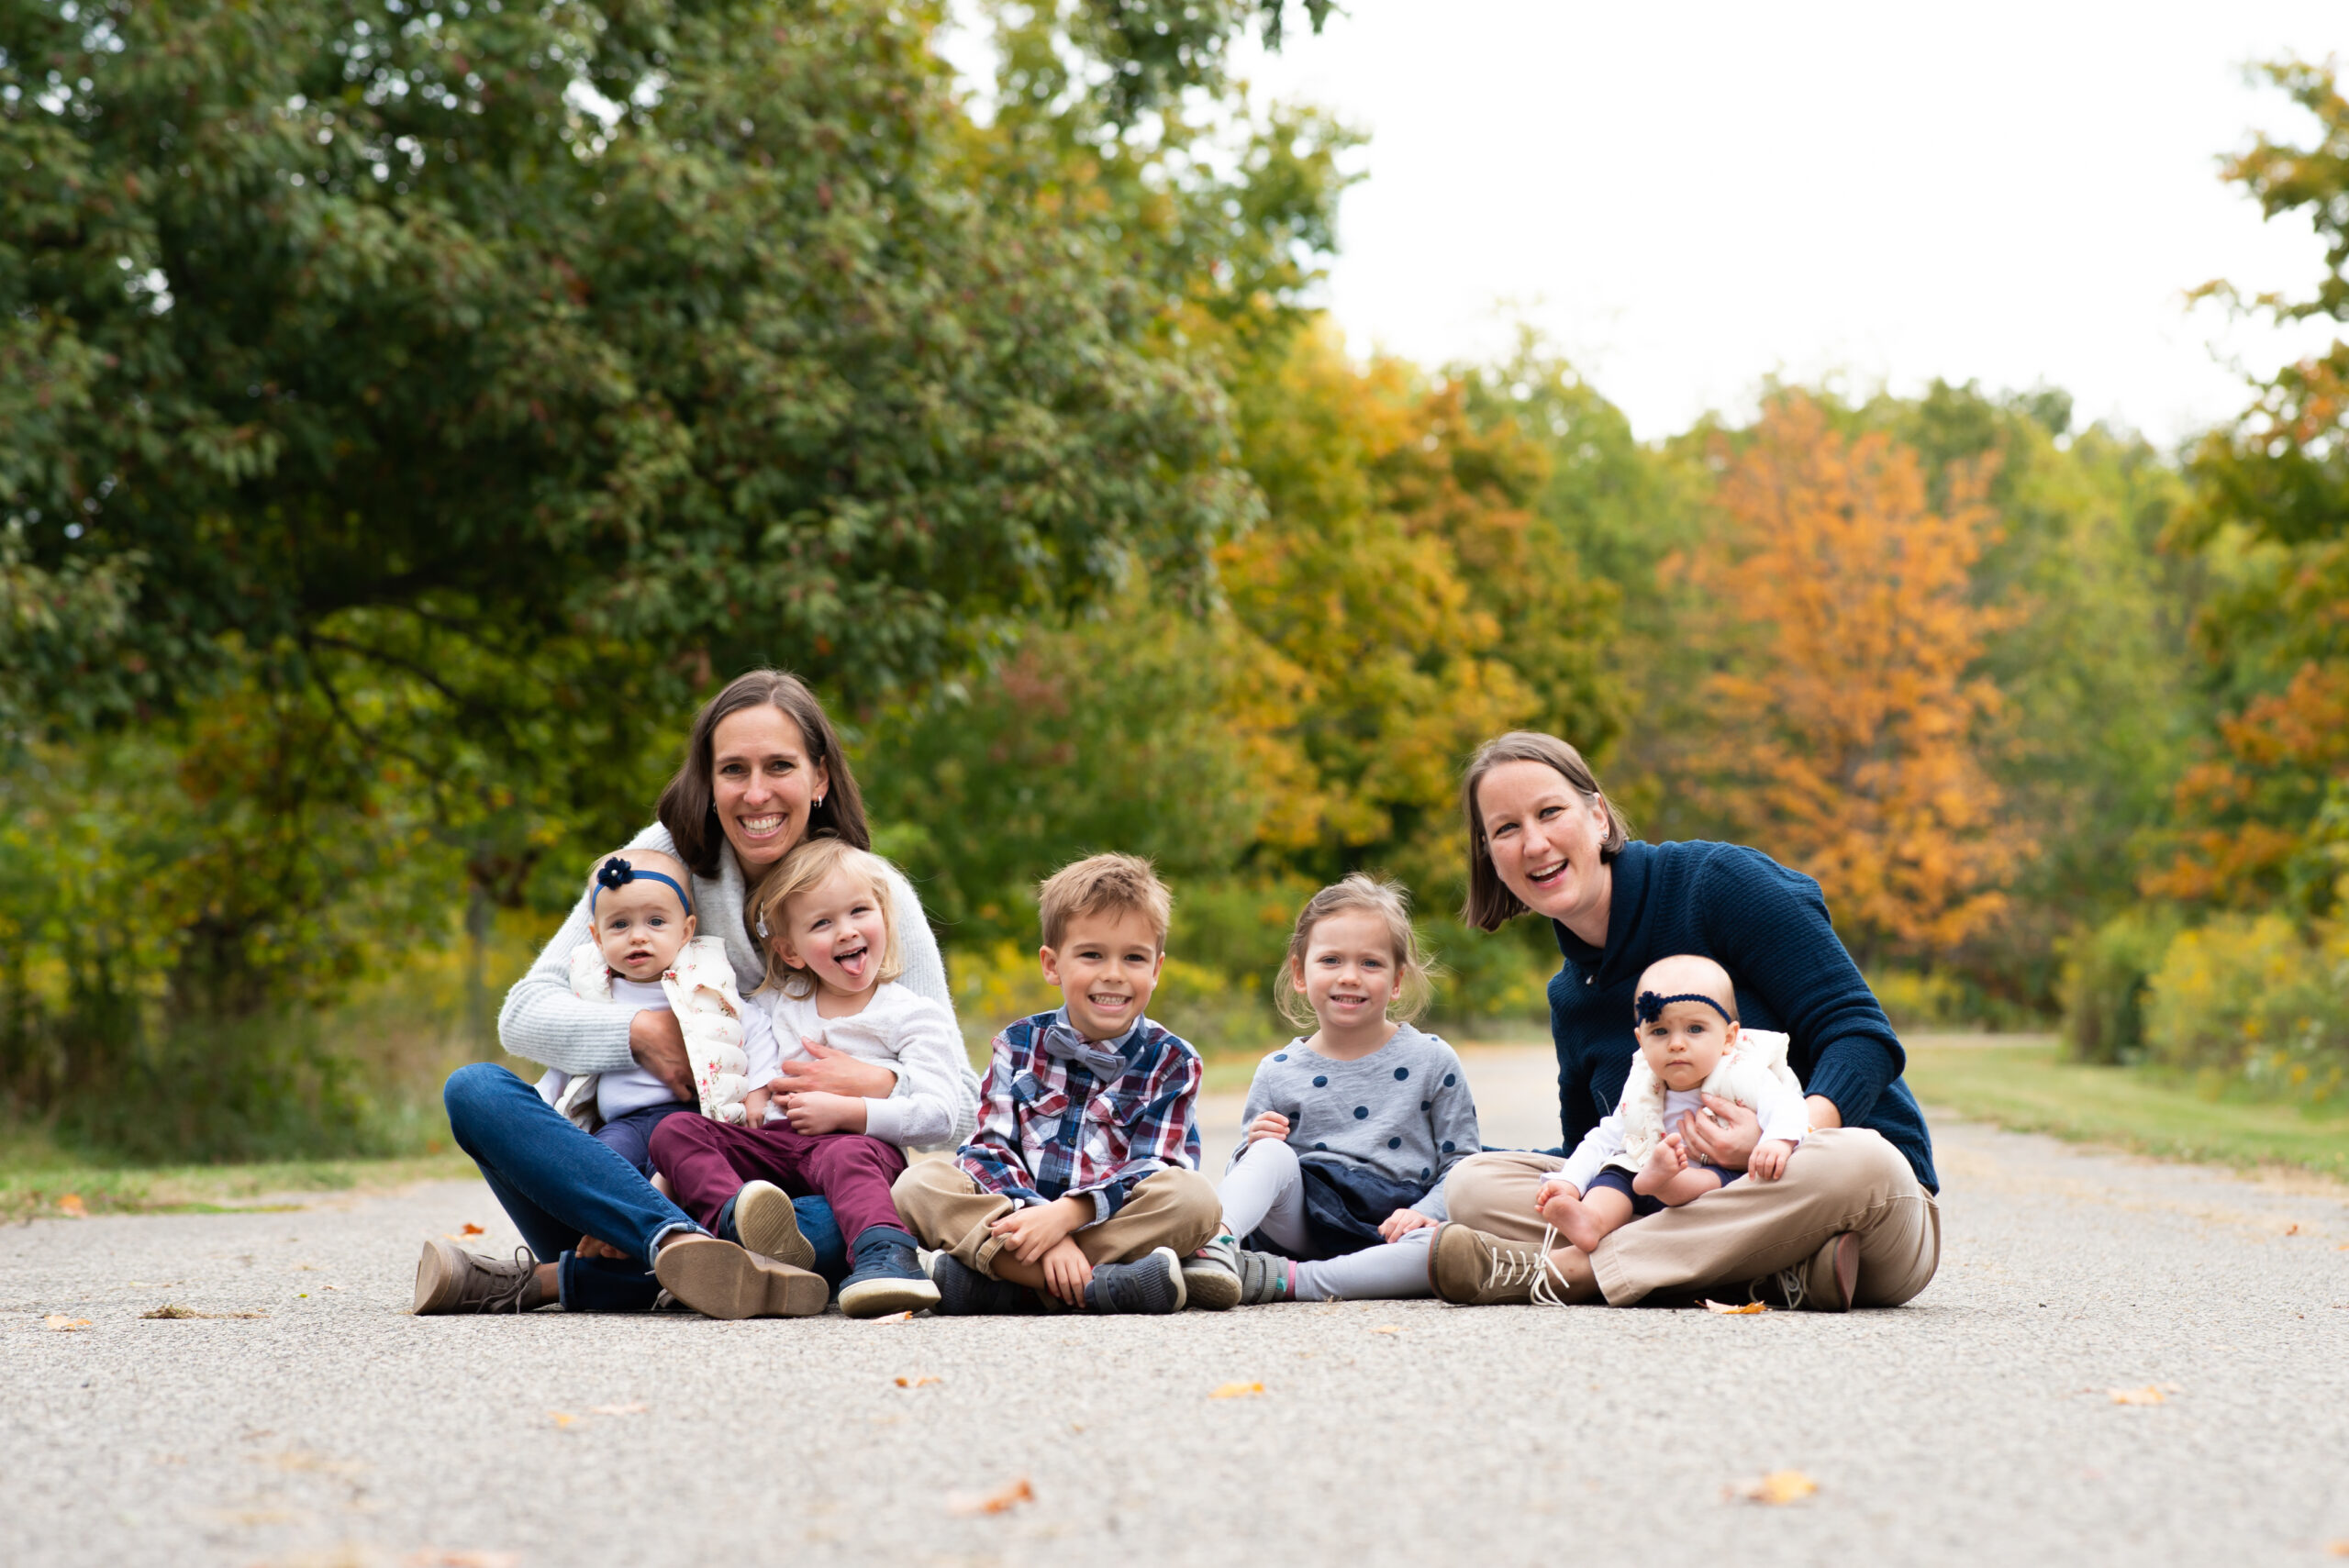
[(1151, 1285), (966, 1293), (886, 1278)]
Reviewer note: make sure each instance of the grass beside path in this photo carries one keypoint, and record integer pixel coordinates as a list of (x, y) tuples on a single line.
[(37, 1181), (2021, 1082)]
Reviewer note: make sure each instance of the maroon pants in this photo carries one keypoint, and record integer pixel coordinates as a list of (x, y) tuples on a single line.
[(708, 1161)]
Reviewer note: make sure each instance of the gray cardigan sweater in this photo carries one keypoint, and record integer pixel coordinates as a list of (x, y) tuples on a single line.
[(543, 1021)]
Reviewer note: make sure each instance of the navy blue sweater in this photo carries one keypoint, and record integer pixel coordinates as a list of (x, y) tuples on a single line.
[(1768, 927)]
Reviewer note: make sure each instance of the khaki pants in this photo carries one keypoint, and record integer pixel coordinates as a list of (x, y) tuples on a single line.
[(1845, 1178), (946, 1209)]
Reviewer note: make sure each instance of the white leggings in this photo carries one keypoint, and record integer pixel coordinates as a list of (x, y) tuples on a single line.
[(1264, 1190)]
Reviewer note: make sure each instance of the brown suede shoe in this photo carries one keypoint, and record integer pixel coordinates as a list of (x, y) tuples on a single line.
[(1828, 1281), (718, 1279), (450, 1279), (1469, 1268), (768, 1225)]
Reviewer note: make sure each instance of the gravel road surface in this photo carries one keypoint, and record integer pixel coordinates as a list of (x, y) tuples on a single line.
[(315, 1422)]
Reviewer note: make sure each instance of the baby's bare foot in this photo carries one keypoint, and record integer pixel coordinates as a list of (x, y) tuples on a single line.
[(1578, 1225), (1667, 1162)]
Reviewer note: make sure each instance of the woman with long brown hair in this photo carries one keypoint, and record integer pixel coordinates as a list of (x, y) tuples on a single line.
[(763, 771)]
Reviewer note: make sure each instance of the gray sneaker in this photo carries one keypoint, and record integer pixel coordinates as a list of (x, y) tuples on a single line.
[(1148, 1284), (1265, 1278), (1212, 1275), (450, 1279), (765, 1222)]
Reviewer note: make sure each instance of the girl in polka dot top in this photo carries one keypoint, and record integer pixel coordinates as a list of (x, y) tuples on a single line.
[(1352, 1129)]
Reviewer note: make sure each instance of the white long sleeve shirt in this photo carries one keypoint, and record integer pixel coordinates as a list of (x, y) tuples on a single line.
[(1782, 1111), (935, 1104)]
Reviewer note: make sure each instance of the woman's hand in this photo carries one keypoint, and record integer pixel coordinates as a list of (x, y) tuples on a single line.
[(1272, 1124), (657, 1040), (820, 1113), (590, 1248), (833, 1072), (1401, 1223), (1725, 1138)]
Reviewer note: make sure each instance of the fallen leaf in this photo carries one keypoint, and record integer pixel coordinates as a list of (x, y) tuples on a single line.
[(61, 1324), (636, 1410), (436, 1557), (2293, 1228), (561, 1418), (1726, 1310), (2151, 1394), (1777, 1489), (71, 1205), (1002, 1500), (167, 1311), (2340, 1547), (916, 1382), (896, 1317), (1388, 1329), (470, 1230), (1238, 1391)]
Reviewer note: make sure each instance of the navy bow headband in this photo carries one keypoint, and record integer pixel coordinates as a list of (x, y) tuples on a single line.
[(617, 874), (1650, 1006)]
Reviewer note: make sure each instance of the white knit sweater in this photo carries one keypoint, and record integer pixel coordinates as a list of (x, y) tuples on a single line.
[(544, 1021)]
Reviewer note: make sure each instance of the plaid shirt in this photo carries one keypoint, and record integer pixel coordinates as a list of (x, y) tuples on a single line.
[(1049, 1126)]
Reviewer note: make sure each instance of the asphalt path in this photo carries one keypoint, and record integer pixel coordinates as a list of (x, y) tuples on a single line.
[(2121, 1362)]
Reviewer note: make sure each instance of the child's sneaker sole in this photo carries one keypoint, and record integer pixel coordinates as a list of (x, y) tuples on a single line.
[(769, 1226), (1210, 1280), (718, 1279), (880, 1297)]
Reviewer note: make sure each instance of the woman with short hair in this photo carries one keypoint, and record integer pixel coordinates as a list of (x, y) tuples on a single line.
[(1852, 1222)]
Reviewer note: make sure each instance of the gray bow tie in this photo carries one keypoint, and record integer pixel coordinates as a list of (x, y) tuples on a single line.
[(1062, 1042)]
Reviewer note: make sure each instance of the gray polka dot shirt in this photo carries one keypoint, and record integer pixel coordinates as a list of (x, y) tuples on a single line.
[(1404, 1111)]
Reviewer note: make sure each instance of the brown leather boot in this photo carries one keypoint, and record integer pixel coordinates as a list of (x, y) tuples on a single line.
[(1468, 1268), (1828, 1281), (718, 1279), (450, 1279)]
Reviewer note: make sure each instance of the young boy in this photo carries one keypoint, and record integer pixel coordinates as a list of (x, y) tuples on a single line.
[(1081, 1186)]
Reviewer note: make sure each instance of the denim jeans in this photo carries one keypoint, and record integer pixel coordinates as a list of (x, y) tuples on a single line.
[(558, 1184)]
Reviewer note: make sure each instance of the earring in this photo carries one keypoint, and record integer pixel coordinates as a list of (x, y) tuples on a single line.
[(820, 800)]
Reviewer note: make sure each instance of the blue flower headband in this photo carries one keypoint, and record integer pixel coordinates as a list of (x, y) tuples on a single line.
[(617, 874), (1650, 1006)]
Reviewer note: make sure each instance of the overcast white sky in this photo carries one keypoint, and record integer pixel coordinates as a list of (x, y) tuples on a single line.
[(1689, 197)]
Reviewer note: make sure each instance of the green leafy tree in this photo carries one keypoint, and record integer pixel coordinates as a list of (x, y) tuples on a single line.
[(2265, 817)]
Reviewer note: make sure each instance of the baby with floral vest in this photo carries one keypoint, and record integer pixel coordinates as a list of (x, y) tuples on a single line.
[(642, 952)]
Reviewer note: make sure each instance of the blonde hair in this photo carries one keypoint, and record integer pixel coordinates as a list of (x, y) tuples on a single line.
[(1415, 973), (810, 865), (1103, 884)]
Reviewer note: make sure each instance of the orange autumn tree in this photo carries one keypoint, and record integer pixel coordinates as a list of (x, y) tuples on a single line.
[(1841, 718)]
